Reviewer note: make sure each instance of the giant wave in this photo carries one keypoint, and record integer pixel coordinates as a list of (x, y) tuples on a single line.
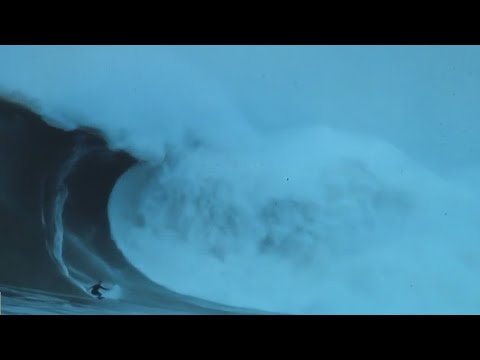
[(130, 165)]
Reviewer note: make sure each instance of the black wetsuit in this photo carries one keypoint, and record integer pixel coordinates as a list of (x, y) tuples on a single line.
[(95, 291)]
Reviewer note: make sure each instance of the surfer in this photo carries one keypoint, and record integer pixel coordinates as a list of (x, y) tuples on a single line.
[(95, 290)]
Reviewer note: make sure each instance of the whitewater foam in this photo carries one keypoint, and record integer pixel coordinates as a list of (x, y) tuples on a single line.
[(326, 217)]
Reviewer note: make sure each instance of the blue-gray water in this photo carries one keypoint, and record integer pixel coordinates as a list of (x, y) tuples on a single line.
[(214, 179)]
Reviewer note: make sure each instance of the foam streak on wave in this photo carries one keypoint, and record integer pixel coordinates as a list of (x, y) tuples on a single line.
[(56, 247)]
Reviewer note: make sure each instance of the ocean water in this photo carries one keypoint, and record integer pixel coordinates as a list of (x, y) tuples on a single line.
[(240, 179)]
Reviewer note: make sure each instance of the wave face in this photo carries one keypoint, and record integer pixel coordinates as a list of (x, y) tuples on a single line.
[(195, 193), (55, 231)]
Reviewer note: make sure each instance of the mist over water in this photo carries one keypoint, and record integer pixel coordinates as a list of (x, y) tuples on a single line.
[(285, 179)]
